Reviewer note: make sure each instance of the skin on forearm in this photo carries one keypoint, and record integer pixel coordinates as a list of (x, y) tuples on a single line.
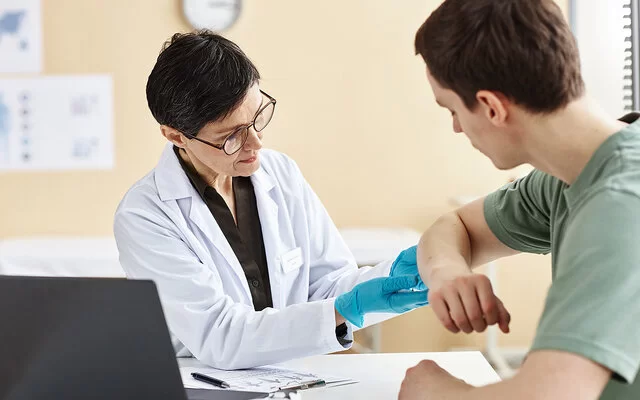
[(459, 241), (513, 388), (528, 389), (554, 374), (546, 374), (444, 247), (508, 389)]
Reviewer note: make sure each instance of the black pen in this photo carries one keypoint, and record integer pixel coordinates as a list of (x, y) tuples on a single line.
[(210, 380)]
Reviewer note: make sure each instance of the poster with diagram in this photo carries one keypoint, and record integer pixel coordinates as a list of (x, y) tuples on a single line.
[(20, 36), (56, 123)]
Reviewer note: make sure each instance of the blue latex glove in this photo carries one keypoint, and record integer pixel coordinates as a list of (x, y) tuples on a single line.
[(407, 264), (383, 295)]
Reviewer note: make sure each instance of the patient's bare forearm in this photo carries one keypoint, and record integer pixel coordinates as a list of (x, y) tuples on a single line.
[(462, 300), (444, 246), (458, 242)]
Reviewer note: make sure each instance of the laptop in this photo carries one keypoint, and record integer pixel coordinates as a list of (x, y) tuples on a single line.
[(89, 338)]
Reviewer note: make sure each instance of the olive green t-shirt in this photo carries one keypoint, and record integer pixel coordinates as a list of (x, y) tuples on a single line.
[(592, 229)]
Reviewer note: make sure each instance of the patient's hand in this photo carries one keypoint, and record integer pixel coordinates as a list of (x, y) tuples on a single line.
[(428, 381), (466, 302)]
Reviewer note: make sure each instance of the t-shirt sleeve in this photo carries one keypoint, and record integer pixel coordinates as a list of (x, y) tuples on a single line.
[(519, 213), (593, 306)]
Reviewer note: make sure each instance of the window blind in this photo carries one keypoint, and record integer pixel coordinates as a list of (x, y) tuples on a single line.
[(607, 36)]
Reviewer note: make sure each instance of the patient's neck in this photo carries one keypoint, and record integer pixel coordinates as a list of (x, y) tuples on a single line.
[(561, 144)]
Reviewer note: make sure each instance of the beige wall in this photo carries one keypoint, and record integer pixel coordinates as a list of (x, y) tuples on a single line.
[(354, 110)]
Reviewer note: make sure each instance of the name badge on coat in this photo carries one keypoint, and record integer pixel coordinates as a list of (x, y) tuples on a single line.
[(291, 260)]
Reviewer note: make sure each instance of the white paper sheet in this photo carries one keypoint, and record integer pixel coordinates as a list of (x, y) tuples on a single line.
[(56, 123), (20, 36), (262, 379)]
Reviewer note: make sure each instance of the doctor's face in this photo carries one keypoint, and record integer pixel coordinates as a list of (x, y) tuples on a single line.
[(228, 133)]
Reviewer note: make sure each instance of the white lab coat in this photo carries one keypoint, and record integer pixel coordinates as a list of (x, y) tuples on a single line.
[(166, 233)]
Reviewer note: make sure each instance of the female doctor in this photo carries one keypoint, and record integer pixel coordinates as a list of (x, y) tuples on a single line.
[(249, 266)]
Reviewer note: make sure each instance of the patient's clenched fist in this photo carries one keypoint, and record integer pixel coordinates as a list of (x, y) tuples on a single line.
[(467, 303)]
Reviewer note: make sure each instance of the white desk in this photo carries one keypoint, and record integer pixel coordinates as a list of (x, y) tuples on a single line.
[(380, 375)]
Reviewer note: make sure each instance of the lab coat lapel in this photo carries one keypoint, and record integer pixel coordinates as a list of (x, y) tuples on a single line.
[(201, 216), (263, 187), (173, 184)]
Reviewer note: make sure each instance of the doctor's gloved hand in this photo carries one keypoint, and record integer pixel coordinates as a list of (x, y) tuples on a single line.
[(381, 295), (407, 264)]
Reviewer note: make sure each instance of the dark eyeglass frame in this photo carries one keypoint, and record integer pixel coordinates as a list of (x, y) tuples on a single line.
[(239, 129)]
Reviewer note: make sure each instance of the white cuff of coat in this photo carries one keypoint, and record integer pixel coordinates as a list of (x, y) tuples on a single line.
[(331, 341)]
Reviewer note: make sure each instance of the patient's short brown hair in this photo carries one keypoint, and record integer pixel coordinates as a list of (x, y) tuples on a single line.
[(521, 48)]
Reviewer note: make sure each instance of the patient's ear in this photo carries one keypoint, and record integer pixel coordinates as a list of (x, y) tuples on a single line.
[(494, 105), (173, 135)]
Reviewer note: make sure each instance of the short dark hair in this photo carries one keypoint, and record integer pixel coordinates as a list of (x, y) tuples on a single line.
[(199, 77), (521, 48)]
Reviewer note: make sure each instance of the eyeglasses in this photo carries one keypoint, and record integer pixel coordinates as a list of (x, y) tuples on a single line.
[(234, 142)]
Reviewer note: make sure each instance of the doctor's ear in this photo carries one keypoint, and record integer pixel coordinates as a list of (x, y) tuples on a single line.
[(494, 105), (173, 135)]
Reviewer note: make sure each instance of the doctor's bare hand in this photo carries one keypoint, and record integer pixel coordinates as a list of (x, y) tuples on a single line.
[(466, 302)]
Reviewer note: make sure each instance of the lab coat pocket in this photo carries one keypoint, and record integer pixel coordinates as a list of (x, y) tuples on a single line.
[(291, 260)]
